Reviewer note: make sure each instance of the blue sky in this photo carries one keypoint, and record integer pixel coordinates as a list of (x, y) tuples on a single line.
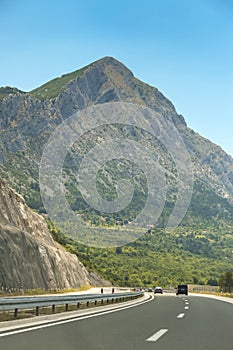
[(184, 48)]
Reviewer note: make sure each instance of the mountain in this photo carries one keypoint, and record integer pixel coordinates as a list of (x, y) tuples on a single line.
[(29, 256), (28, 119)]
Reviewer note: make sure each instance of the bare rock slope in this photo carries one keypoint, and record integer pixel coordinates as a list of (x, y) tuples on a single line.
[(28, 254), (28, 119)]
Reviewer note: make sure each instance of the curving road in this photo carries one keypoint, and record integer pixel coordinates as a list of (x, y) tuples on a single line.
[(165, 323)]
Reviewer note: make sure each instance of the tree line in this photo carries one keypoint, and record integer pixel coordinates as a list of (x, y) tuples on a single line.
[(226, 282)]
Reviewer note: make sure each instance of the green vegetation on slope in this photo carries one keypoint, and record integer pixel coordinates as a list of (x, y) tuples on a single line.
[(7, 90), (54, 87), (159, 257)]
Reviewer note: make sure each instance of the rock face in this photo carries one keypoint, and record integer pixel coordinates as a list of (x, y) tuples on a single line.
[(28, 119), (28, 255)]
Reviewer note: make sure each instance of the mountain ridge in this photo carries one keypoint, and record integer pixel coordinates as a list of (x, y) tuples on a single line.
[(26, 123)]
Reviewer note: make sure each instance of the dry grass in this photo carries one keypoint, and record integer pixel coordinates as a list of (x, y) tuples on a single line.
[(42, 291), (220, 294)]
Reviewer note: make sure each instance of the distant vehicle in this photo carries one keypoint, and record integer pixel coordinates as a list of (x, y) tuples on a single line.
[(158, 290), (182, 289)]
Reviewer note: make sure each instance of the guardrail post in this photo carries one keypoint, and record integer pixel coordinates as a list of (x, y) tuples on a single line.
[(31, 303)]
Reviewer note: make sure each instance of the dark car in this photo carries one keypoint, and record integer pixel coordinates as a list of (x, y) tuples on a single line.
[(158, 290), (182, 289)]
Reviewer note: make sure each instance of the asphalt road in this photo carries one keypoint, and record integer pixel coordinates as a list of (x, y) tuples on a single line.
[(165, 323)]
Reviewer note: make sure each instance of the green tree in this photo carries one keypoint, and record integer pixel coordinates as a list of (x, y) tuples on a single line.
[(226, 282)]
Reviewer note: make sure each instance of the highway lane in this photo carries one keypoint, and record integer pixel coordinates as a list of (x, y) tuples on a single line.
[(167, 322)]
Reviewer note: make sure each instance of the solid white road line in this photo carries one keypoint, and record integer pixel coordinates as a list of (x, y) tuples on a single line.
[(157, 335), (75, 319), (180, 316)]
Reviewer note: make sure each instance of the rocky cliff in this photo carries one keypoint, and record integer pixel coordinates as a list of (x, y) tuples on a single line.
[(28, 119), (29, 257)]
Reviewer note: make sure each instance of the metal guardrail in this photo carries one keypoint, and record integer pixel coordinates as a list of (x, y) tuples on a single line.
[(16, 303)]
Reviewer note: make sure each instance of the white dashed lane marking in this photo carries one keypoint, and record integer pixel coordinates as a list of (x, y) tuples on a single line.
[(157, 335)]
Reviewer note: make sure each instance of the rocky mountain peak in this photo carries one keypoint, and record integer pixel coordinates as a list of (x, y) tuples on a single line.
[(28, 119), (109, 61)]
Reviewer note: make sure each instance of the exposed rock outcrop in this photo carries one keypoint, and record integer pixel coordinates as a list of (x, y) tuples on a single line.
[(29, 257), (28, 119)]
